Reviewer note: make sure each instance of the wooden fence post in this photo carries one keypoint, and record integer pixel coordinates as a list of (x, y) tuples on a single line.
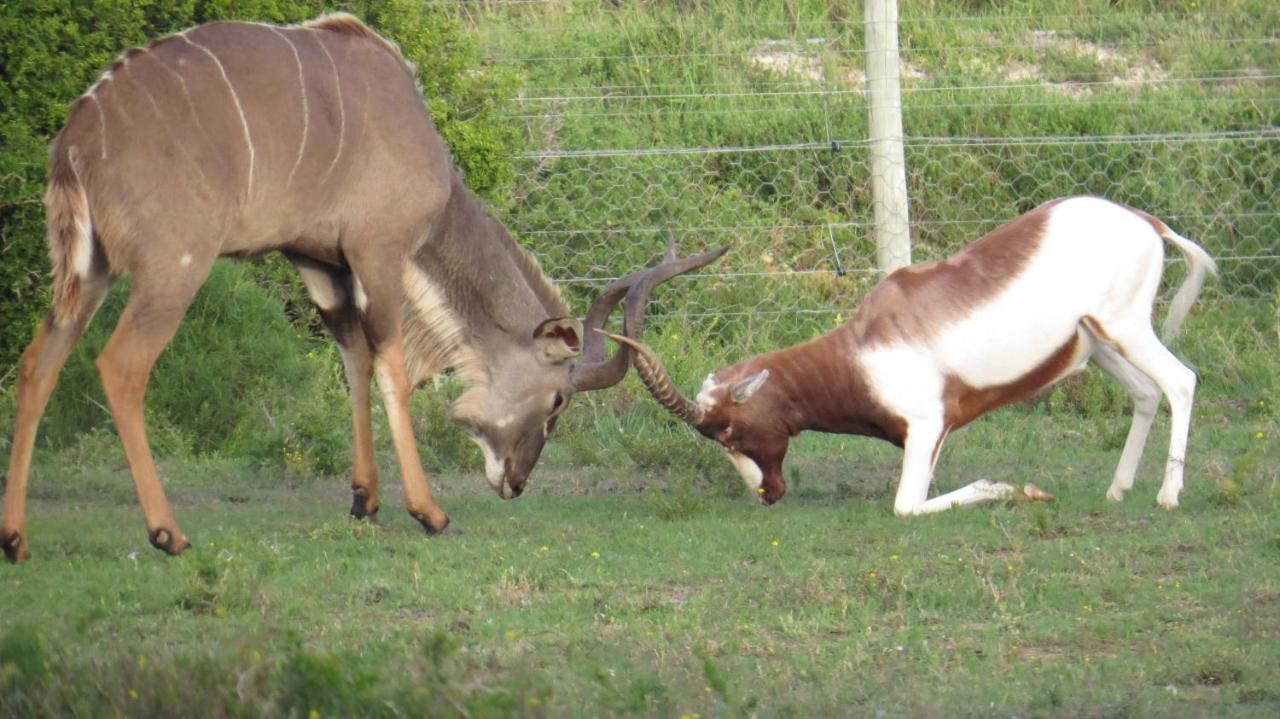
[(888, 163)]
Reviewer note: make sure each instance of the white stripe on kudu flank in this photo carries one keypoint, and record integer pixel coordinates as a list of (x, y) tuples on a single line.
[(236, 98), (342, 112), (155, 106), (306, 112), (186, 94), (182, 148), (121, 65), (102, 120)]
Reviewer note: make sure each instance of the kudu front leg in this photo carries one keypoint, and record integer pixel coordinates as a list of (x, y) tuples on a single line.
[(393, 381), (379, 303)]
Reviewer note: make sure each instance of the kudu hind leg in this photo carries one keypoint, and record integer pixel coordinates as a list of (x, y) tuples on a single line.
[(154, 311), (38, 372), (329, 288), (379, 302)]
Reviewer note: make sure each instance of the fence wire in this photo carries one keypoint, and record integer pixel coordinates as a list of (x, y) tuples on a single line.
[(758, 141)]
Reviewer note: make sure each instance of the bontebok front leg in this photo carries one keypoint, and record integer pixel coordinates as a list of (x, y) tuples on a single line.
[(920, 456)]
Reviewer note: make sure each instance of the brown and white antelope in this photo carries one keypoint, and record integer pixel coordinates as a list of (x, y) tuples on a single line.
[(242, 138), (936, 345)]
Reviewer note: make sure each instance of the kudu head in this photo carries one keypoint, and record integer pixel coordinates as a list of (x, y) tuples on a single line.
[(737, 407), (511, 416)]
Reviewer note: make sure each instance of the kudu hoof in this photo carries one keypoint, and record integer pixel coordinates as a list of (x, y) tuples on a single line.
[(363, 506), (446, 528), (169, 542), (15, 550)]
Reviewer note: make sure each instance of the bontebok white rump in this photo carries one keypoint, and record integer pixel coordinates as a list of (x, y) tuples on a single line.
[(240, 138), (936, 345)]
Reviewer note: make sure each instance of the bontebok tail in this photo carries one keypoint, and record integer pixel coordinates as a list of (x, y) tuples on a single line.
[(1199, 263)]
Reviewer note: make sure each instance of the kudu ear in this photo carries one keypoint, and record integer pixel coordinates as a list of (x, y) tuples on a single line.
[(559, 338), (743, 390)]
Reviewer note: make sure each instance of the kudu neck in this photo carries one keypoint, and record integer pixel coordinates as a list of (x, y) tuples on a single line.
[(489, 280), (472, 295)]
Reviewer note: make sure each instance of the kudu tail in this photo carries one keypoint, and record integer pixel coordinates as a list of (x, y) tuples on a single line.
[(70, 233), (1199, 264)]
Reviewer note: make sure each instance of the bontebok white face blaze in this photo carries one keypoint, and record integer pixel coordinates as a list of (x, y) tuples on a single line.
[(705, 398), (748, 470)]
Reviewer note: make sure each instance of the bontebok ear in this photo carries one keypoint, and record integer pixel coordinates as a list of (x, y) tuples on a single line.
[(560, 338), (743, 390)]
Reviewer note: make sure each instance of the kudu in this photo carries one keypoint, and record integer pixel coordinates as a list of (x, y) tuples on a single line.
[(936, 345), (236, 139)]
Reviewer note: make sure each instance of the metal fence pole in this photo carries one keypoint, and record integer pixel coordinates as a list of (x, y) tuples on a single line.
[(888, 163)]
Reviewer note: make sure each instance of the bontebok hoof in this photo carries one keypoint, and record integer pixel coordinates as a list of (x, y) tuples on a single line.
[(15, 550), (363, 506), (169, 542), (1032, 493)]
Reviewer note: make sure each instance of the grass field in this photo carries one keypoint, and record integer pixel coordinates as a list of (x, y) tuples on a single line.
[(636, 577), (608, 592)]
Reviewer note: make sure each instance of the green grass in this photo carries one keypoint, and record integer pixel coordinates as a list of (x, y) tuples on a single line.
[(610, 591), (1077, 608)]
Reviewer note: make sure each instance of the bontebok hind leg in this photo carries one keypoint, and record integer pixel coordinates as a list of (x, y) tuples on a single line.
[(1145, 352), (1146, 398)]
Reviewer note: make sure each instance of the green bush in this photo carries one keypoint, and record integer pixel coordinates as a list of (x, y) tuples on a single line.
[(52, 50)]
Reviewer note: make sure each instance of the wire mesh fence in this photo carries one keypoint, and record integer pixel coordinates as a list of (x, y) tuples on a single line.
[(754, 135)]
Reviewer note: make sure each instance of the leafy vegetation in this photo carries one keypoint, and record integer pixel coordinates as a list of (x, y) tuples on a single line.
[(52, 50)]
